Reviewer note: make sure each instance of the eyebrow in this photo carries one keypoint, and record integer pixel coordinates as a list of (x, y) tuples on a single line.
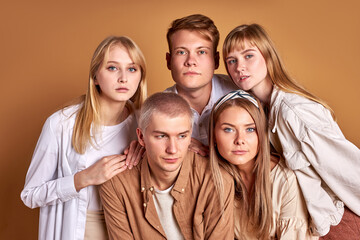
[(165, 133), (243, 52), (132, 63), (196, 48), (246, 125)]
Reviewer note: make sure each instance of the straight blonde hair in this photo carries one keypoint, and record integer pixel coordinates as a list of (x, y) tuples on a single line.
[(88, 117), (254, 206), (256, 35)]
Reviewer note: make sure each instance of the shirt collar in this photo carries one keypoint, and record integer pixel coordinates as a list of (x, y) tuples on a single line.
[(180, 182)]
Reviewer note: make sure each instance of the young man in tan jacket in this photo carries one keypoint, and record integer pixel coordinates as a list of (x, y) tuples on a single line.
[(170, 194)]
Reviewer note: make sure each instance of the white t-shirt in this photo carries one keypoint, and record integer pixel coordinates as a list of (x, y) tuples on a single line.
[(50, 179), (164, 207), (221, 85)]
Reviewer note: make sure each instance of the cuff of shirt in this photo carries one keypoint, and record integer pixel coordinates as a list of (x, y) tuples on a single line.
[(66, 188)]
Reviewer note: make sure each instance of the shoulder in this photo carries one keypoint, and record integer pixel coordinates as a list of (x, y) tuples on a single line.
[(282, 176), (223, 83), (171, 89), (292, 108), (63, 118), (201, 165), (120, 182)]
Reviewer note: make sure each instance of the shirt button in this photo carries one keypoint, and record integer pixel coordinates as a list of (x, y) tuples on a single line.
[(151, 189), (142, 189), (182, 190), (144, 204)]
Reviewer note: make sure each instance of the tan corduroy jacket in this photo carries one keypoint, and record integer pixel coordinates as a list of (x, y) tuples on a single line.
[(130, 212)]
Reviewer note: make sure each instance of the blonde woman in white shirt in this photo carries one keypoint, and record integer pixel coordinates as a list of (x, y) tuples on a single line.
[(83, 145), (303, 130), (268, 201)]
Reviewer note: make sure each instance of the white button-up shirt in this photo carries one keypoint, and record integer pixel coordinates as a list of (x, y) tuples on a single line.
[(50, 178), (221, 85), (325, 163)]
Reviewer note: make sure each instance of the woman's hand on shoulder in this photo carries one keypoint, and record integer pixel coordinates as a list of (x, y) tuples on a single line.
[(197, 147), (100, 172), (134, 154)]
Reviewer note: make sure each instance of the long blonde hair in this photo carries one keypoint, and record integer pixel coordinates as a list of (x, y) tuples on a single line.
[(88, 116), (257, 36), (255, 211)]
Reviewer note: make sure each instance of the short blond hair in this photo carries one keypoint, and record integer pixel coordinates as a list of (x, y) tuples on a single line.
[(170, 104)]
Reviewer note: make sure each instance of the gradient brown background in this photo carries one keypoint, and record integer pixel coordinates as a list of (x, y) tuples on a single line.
[(46, 48)]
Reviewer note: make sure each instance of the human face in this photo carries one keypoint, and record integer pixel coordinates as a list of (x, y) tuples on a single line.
[(166, 140), (118, 77), (191, 60), (236, 137), (247, 68)]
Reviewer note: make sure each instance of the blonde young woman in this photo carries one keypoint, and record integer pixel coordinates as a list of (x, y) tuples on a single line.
[(82, 146), (303, 130), (268, 201)]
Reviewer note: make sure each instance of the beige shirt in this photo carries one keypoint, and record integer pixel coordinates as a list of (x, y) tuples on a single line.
[(290, 216), (130, 211), (325, 163)]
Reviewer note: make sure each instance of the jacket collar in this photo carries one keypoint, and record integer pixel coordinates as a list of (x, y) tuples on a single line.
[(180, 182)]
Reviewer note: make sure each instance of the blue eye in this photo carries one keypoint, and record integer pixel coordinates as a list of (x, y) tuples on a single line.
[(228, 130), (232, 61), (249, 56), (132, 69), (181, 136), (160, 136), (202, 52), (180, 52), (251, 129), (112, 68)]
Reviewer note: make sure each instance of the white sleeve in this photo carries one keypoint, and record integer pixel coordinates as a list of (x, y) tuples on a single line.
[(314, 147), (45, 182)]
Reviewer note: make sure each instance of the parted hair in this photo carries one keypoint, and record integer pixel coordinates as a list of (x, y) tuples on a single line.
[(196, 22), (256, 35), (88, 117), (254, 206), (170, 104)]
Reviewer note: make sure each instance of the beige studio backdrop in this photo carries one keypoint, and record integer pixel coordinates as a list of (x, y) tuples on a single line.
[(46, 48)]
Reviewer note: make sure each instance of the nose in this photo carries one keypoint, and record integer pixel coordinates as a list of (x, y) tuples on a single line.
[(190, 60), (122, 77), (239, 139), (171, 147), (240, 66)]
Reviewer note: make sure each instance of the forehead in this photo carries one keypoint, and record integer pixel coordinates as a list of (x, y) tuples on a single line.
[(191, 38), (164, 123), (242, 44), (235, 115)]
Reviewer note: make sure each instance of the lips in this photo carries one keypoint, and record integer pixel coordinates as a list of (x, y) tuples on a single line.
[(171, 159), (243, 77), (239, 152), (191, 73), (122, 89)]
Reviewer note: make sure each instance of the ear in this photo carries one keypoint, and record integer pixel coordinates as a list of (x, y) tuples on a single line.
[(217, 59), (140, 136), (168, 60), (95, 80)]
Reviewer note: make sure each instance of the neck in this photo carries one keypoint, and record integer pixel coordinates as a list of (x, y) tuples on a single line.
[(113, 113), (247, 174), (263, 91), (164, 180), (198, 98)]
